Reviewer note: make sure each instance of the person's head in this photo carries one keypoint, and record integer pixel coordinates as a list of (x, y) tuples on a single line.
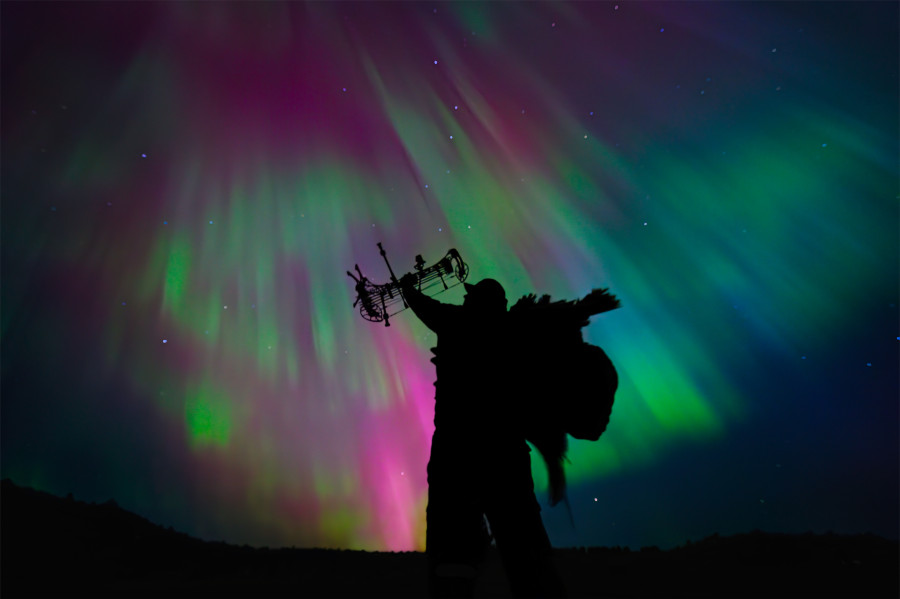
[(485, 295)]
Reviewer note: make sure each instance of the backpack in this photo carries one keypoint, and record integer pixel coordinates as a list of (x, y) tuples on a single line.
[(567, 386)]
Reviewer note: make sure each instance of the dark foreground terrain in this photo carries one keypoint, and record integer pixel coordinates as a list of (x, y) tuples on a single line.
[(54, 547)]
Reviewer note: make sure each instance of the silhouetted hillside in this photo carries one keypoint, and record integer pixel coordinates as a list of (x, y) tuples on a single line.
[(62, 547)]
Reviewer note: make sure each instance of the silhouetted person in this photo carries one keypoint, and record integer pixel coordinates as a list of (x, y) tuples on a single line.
[(480, 466)]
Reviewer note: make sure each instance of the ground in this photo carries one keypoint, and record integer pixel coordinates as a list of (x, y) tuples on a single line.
[(54, 547)]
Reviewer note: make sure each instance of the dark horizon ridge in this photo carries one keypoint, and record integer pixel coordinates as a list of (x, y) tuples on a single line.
[(56, 546)]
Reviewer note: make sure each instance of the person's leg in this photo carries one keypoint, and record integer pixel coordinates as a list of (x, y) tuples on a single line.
[(525, 550), (514, 515), (456, 536), (455, 539)]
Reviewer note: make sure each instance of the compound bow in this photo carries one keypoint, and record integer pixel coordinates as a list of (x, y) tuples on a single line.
[(379, 302)]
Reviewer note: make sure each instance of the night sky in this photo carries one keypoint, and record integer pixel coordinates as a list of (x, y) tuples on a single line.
[(185, 185)]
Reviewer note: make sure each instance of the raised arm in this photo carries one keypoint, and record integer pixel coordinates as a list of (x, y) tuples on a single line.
[(434, 314)]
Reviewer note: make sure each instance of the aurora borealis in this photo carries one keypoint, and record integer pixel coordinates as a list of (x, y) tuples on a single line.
[(184, 186)]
